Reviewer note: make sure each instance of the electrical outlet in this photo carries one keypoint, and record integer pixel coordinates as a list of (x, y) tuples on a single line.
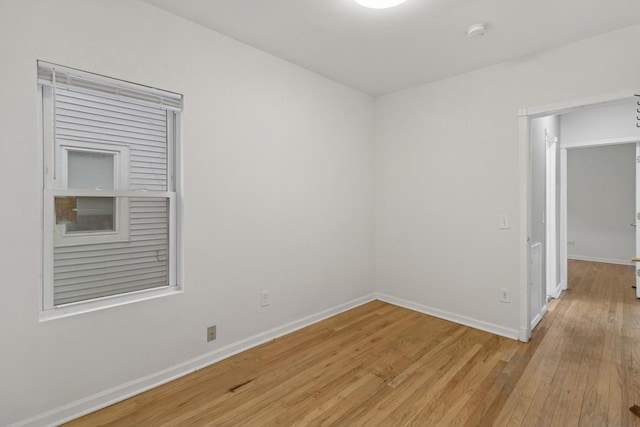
[(211, 333), (265, 298), (504, 295)]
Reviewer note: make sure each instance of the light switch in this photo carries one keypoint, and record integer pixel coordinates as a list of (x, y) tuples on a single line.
[(504, 222)]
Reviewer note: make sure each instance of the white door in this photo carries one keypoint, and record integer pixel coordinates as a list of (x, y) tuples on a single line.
[(536, 290)]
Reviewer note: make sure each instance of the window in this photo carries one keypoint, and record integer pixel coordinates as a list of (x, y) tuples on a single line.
[(109, 193), (91, 219)]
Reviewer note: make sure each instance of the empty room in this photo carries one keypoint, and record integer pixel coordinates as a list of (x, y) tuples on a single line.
[(320, 212)]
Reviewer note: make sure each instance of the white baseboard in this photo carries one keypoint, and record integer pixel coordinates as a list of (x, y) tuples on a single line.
[(562, 286), (605, 260), (557, 290), (457, 318), (108, 397), (536, 320), (538, 317)]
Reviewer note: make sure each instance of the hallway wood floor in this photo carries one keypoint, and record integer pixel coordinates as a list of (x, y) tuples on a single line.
[(383, 365)]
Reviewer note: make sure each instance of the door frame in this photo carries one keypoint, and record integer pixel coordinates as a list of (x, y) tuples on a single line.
[(552, 258), (524, 154)]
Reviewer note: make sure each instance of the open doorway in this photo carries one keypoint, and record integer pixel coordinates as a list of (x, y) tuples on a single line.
[(605, 121), (601, 200)]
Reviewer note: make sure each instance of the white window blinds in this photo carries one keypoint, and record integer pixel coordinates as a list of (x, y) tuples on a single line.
[(64, 77)]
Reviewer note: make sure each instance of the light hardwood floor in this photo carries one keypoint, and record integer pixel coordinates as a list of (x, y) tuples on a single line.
[(383, 365)]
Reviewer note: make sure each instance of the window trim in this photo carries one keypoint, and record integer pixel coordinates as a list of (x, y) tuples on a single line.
[(172, 103), (97, 304)]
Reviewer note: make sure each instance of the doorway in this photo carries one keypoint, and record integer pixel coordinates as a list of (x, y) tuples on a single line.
[(602, 203), (606, 126)]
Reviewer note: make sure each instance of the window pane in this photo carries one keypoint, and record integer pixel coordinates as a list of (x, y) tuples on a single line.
[(94, 214), (104, 269), (66, 210), (88, 169)]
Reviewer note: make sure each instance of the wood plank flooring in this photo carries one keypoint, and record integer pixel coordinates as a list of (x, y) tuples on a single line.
[(383, 365)]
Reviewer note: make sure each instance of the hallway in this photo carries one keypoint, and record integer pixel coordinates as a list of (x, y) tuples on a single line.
[(586, 369)]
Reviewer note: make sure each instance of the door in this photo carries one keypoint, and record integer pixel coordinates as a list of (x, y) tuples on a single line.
[(537, 307), (539, 167)]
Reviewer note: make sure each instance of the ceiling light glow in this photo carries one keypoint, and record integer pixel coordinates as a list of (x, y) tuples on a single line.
[(380, 4)]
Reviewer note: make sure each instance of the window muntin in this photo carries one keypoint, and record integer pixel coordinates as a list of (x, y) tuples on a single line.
[(109, 193)]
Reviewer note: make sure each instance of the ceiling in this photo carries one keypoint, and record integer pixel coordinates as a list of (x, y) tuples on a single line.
[(383, 50)]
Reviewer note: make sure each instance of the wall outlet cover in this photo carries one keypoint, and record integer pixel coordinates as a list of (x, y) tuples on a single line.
[(211, 333), (265, 298)]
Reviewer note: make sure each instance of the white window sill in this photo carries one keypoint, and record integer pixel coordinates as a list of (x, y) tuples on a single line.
[(76, 308)]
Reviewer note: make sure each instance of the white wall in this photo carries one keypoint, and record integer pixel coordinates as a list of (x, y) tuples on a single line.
[(601, 203), (604, 122), (447, 166), (277, 195)]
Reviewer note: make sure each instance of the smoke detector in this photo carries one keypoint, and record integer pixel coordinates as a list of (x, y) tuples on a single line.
[(476, 30), (380, 4)]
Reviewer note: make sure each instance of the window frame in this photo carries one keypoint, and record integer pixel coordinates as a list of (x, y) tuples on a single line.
[(121, 181), (54, 179)]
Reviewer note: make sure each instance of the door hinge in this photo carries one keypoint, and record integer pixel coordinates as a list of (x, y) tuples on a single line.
[(638, 159), (638, 273), (638, 216)]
